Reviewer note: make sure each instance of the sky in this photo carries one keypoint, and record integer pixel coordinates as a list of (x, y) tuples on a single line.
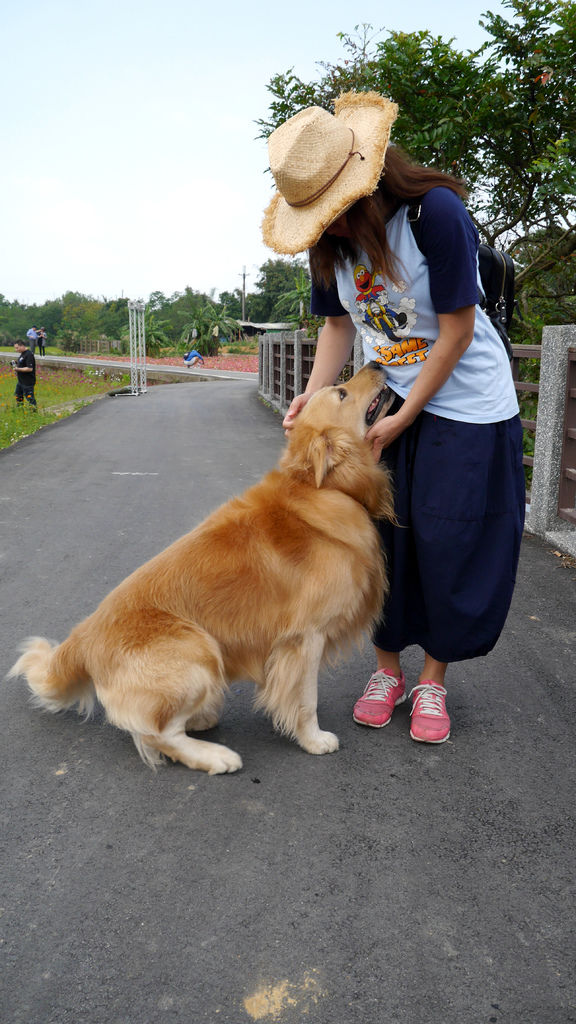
[(130, 161)]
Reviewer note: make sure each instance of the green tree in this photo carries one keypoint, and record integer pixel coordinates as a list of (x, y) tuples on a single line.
[(294, 305), (233, 303), (211, 323), (276, 278), (180, 308), (13, 321), (155, 332), (112, 318), (49, 315), (79, 320), (502, 117), (157, 301)]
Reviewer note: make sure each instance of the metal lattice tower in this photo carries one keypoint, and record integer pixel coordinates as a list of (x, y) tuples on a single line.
[(137, 348)]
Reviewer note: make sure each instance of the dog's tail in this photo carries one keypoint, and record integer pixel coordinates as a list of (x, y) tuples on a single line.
[(56, 674)]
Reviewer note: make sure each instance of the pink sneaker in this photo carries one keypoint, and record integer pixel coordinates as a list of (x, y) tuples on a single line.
[(383, 693), (430, 722)]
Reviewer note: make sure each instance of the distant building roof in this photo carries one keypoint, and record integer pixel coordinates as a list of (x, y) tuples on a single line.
[(248, 325)]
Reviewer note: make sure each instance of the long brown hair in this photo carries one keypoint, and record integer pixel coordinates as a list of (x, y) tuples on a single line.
[(401, 181)]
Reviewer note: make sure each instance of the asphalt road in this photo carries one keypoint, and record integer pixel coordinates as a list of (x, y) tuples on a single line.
[(389, 883)]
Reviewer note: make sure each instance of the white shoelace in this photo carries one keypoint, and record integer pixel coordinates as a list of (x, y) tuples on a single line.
[(430, 699), (379, 686)]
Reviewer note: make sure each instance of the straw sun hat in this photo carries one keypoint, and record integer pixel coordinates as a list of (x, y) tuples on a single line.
[(322, 163)]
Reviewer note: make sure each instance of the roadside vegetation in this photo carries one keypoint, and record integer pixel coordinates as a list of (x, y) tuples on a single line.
[(58, 394)]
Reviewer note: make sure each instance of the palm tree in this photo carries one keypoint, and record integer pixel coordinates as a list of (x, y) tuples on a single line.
[(211, 323), (292, 305), (156, 335)]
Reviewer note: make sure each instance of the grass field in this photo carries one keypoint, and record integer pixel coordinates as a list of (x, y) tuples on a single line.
[(58, 394)]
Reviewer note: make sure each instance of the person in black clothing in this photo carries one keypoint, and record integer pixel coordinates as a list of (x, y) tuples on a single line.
[(25, 370), (42, 340)]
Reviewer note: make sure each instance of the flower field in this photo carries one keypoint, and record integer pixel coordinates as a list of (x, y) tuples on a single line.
[(241, 363), (247, 363), (58, 393)]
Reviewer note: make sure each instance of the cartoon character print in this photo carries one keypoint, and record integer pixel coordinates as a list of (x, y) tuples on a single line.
[(373, 303), (366, 283)]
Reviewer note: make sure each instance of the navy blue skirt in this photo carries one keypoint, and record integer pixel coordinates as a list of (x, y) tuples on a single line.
[(452, 558)]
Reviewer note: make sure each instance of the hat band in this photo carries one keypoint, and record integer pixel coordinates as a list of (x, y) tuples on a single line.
[(324, 188)]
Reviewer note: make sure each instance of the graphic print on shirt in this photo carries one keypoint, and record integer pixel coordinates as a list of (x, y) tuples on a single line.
[(392, 318)]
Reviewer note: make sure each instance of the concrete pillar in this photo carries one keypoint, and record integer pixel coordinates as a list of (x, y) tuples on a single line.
[(543, 516)]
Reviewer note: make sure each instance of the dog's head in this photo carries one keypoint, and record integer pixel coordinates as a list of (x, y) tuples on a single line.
[(328, 446)]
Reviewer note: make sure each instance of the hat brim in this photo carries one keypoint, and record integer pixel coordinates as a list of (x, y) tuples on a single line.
[(288, 229)]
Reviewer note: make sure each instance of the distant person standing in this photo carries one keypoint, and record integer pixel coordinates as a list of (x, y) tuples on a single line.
[(42, 341), (25, 370), (32, 336)]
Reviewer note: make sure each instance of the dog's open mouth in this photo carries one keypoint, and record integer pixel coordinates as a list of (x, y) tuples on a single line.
[(376, 406)]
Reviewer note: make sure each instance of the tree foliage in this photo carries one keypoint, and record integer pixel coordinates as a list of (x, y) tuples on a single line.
[(170, 321), (502, 117), (275, 279), (206, 327)]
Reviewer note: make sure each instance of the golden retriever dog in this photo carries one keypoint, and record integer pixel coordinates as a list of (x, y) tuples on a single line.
[(264, 589)]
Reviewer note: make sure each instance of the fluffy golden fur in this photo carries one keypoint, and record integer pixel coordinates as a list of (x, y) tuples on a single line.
[(264, 589)]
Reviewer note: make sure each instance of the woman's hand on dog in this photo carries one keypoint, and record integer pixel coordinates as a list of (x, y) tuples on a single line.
[(296, 406), (384, 432)]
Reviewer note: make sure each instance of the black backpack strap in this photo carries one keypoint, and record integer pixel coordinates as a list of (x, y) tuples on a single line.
[(414, 211)]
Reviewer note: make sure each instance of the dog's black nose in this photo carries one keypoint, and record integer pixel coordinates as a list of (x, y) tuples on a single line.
[(376, 366)]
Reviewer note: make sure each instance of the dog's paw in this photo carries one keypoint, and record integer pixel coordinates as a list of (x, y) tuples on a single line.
[(320, 743), (223, 760)]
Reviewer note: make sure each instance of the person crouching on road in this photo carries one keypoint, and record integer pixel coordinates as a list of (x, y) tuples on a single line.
[(193, 357)]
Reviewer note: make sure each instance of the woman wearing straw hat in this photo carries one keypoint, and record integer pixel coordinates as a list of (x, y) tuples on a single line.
[(453, 438)]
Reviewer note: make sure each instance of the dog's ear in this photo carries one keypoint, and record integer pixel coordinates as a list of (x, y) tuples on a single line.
[(312, 451), (328, 450), (321, 457)]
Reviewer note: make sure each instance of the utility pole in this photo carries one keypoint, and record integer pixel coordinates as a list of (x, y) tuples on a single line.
[(243, 276)]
